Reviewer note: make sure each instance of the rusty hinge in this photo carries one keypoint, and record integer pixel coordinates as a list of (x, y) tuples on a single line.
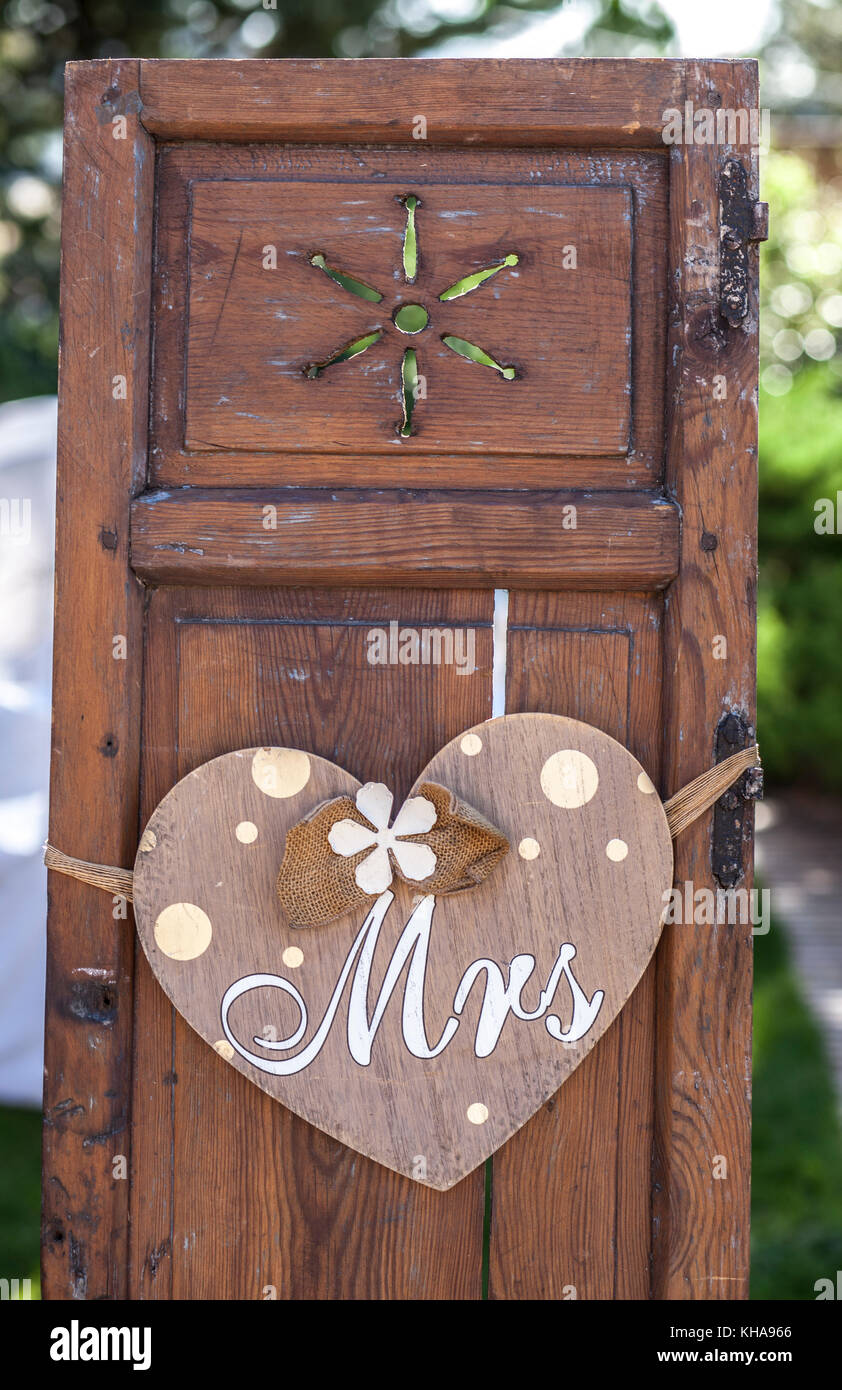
[(741, 221), (733, 732)]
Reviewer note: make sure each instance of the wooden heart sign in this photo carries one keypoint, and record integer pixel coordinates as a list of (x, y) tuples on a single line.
[(424, 1030)]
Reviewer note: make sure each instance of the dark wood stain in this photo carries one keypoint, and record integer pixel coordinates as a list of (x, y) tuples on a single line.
[(609, 1188)]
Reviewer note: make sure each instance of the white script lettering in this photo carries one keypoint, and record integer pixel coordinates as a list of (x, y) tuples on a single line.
[(500, 998)]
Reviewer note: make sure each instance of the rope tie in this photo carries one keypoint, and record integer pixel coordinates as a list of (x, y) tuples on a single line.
[(694, 799), (100, 875), (681, 810)]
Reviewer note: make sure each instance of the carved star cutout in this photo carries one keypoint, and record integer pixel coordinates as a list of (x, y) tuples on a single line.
[(410, 318)]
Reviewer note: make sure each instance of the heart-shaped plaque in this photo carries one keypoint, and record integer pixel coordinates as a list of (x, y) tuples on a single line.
[(420, 1030)]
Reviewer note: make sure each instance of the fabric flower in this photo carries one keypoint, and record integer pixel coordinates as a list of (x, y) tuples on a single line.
[(373, 874), (343, 853)]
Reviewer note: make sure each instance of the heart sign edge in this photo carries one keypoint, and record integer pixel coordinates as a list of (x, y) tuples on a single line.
[(560, 789)]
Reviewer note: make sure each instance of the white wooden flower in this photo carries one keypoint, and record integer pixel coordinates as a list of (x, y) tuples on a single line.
[(374, 873)]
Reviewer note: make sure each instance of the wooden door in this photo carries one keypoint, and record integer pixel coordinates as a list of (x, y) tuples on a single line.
[(242, 499)]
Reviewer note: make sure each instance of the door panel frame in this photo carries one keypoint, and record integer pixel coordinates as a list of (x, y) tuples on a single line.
[(702, 978), (104, 349)]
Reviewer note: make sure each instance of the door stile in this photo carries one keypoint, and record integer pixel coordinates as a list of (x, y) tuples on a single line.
[(703, 1083)]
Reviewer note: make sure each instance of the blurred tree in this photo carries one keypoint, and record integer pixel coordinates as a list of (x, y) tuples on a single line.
[(38, 37), (801, 268), (628, 27), (803, 58), (800, 620)]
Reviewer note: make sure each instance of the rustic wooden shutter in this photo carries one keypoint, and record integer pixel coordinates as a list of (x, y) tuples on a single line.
[(243, 524)]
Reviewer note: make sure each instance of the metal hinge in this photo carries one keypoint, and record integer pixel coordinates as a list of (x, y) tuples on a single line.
[(733, 732), (741, 221)]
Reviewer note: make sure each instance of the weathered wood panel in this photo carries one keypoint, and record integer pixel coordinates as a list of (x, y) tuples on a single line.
[(261, 342), (701, 1223), (183, 169), (207, 536), (581, 101), (103, 403)]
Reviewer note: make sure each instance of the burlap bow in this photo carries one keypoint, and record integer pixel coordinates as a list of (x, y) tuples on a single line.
[(344, 853)]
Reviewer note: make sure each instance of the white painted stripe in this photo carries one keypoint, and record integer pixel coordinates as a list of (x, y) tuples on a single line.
[(501, 624)]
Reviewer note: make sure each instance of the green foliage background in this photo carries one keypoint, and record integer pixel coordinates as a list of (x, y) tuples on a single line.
[(800, 624), (796, 1148)]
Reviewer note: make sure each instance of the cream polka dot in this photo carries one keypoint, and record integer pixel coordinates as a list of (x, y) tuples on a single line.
[(616, 850), (224, 1049), (529, 848), (293, 956), (477, 1113), (569, 778), (183, 931), (471, 744), (246, 832), (280, 772), (148, 841), (645, 784)]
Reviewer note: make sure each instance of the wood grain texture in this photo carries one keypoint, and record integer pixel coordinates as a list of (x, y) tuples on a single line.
[(106, 255), (254, 332), (185, 169), (570, 1199), (582, 101), (701, 1225), (576, 1200), (227, 668), (206, 536), (154, 1079), (580, 890)]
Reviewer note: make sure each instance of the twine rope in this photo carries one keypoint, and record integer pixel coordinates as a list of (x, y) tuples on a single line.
[(681, 810), (694, 799), (117, 881)]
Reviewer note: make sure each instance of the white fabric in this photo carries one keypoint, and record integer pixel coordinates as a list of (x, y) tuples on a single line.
[(27, 522)]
